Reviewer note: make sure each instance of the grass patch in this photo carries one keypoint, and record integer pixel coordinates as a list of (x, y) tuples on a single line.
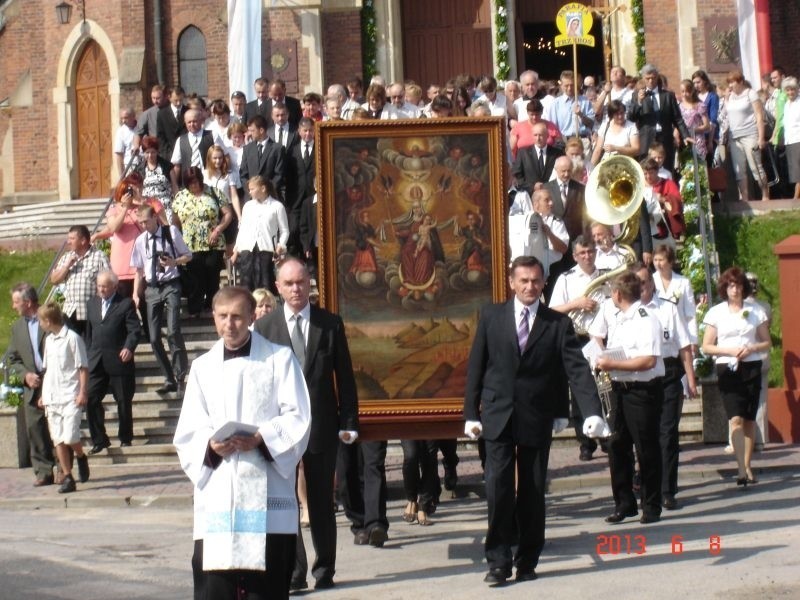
[(14, 268), (747, 242)]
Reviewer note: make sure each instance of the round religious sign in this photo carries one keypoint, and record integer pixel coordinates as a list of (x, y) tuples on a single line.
[(278, 61)]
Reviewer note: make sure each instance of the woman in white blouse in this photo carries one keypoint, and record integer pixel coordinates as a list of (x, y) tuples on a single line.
[(674, 287), (737, 334), (617, 134)]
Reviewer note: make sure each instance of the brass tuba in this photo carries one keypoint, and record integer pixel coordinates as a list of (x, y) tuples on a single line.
[(614, 193)]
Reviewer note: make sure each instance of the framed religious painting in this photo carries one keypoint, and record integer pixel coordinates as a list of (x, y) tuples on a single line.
[(412, 242)]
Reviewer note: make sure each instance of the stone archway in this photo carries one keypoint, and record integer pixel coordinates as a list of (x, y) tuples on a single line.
[(65, 99)]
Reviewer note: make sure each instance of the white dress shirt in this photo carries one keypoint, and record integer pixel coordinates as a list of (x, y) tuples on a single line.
[(263, 223)]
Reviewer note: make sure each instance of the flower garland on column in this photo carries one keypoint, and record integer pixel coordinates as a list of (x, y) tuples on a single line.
[(501, 39), (637, 19), (369, 37)]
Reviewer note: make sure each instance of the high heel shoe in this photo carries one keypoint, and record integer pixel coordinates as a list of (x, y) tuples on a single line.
[(410, 512), (422, 518), (751, 479), (742, 481)]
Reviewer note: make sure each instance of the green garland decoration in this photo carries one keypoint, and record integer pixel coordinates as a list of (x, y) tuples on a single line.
[(369, 40), (690, 256), (501, 40), (637, 18)]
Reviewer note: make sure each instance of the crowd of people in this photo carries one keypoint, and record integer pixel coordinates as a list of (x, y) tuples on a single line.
[(230, 185)]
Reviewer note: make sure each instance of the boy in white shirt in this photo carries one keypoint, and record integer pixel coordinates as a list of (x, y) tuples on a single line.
[(64, 392)]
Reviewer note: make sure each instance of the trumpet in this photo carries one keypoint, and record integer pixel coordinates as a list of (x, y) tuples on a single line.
[(603, 382)]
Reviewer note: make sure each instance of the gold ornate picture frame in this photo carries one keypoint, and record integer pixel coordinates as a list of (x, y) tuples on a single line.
[(412, 242)]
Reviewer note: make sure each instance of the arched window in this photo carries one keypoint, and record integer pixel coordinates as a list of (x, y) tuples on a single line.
[(192, 66)]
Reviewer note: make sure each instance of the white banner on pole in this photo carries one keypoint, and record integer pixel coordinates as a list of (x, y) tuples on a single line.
[(244, 45), (748, 42)]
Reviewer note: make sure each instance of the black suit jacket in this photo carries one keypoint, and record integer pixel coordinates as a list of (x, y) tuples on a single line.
[(526, 166), (169, 130), (308, 223), (292, 137), (106, 337), (294, 108), (328, 372), (271, 165), (251, 109), (529, 388), (574, 215), (646, 117), (20, 356), (300, 177)]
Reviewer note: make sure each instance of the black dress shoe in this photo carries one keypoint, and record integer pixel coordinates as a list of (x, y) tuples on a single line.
[(68, 485), (649, 519), (43, 481), (526, 575), (377, 537), (361, 537), (618, 517), (298, 584), (585, 455), (669, 502), (124, 444), (83, 468), (324, 583), (167, 388), (497, 576), (450, 478), (97, 448)]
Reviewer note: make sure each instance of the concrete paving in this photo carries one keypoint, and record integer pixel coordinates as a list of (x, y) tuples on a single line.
[(129, 530)]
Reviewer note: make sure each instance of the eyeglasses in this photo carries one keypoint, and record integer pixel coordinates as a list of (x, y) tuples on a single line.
[(396, 97)]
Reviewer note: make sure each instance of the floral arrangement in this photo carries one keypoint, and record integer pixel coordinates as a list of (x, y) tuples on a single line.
[(369, 39), (637, 18), (501, 39), (691, 256), (11, 389)]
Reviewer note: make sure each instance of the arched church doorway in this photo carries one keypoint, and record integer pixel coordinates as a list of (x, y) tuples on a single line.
[(93, 118)]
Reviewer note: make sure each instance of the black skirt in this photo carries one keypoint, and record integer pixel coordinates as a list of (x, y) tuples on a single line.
[(740, 389)]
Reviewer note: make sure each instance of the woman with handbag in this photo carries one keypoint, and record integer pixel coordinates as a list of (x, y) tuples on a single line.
[(617, 135)]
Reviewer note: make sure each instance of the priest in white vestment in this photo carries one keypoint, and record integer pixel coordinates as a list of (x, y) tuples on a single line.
[(243, 428)]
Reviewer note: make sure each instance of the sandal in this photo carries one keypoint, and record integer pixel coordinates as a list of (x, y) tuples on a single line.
[(422, 518), (410, 512)]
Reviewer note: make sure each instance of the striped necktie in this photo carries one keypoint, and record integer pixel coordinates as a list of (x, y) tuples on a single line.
[(523, 330)]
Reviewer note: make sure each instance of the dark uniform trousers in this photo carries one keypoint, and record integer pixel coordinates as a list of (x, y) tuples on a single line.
[(670, 421), (637, 424)]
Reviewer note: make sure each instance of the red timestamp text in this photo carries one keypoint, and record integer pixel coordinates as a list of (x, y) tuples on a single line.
[(637, 544)]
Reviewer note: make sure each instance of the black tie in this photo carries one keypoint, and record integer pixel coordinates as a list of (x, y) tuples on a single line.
[(154, 260), (260, 150), (541, 161), (307, 154)]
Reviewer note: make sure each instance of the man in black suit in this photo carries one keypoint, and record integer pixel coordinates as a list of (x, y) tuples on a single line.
[(169, 123), (515, 397), (318, 340), (25, 359), (191, 148), (534, 164), (656, 112), (112, 332), (277, 95), (281, 131), (262, 157), (261, 105), (300, 185)]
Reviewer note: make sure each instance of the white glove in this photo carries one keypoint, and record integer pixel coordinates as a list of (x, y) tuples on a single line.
[(560, 425), (348, 437), (596, 427), (473, 429)]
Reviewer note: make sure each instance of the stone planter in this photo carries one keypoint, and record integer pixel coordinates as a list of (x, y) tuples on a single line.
[(13, 438), (715, 421)]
